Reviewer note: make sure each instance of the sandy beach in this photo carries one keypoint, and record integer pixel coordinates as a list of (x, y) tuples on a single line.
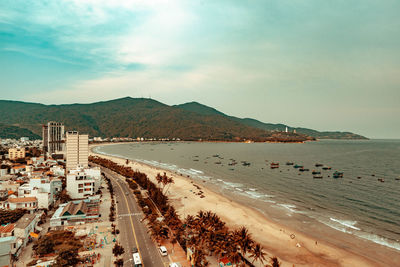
[(291, 247)]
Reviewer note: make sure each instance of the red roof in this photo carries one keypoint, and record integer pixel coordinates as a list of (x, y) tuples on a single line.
[(22, 199), (7, 228), (224, 260)]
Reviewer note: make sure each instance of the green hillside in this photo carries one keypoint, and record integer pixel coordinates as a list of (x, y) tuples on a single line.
[(136, 117), (15, 132), (205, 110)]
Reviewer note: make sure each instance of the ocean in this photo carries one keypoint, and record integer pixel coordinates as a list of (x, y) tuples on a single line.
[(357, 204)]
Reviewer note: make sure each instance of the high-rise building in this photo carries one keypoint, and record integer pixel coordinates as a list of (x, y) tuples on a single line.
[(53, 138), (77, 150)]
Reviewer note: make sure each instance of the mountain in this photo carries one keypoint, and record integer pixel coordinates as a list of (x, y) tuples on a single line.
[(137, 117), (205, 110), (15, 132)]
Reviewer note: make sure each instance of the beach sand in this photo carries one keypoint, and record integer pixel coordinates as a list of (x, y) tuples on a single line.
[(291, 247)]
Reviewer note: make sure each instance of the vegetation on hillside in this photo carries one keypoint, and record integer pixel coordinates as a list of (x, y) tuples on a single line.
[(129, 117), (15, 132), (205, 110)]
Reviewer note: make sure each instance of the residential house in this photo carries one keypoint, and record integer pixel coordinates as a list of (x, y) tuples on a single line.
[(76, 212), (13, 202), (25, 227)]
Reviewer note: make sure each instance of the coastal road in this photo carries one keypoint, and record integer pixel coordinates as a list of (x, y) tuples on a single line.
[(133, 232)]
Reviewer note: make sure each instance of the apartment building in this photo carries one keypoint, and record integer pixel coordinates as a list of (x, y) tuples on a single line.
[(53, 138), (77, 148), (16, 153), (83, 182)]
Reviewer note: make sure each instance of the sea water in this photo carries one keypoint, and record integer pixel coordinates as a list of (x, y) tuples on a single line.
[(356, 204)]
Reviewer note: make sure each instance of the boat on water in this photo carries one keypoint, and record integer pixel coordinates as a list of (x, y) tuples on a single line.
[(316, 172), (218, 162), (337, 174), (319, 164), (304, 170), (297, 166), (381, 180), (289, 163), (246, 163), (274, 165), (326, 168), (317, 176)]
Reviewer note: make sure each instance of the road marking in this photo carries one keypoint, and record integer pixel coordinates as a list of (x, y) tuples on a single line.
[(130, 218), (130, 214)]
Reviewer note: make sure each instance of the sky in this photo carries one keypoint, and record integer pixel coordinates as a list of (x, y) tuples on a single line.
[(325, 65)]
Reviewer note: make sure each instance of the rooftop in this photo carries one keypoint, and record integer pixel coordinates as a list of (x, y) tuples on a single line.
[(8, 228), (25, 220), (22, 199)]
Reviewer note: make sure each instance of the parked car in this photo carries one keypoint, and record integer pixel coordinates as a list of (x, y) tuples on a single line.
[(163, 251), (175, 264)]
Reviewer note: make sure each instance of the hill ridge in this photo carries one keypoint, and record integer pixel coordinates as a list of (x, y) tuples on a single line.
[(141, 117)]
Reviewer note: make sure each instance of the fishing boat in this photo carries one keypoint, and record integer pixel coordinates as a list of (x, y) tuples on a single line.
[(304, 170), (337, 174), (297, 166), (274, 165), (319, 164), (316, 172), (218, 162), (326, 168), (381, 180), (317, 176), (289, 163), (246, 163)]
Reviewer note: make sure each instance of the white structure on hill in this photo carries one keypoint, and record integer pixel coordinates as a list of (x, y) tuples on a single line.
[(77, 150)]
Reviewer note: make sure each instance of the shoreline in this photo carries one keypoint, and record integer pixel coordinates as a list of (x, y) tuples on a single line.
[(275, 238)]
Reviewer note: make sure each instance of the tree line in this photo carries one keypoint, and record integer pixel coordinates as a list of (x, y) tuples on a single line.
[(205, 234)]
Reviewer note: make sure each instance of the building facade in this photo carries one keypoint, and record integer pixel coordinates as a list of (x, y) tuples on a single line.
[(53, 137), (16, 153), (82, 183), (77, 150)]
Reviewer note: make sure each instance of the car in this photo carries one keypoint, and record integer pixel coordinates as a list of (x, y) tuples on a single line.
[(175, 264), (126, 193), (134, 250), (163, 251)]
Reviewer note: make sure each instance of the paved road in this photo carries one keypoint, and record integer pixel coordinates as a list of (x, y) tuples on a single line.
[(133, 233)]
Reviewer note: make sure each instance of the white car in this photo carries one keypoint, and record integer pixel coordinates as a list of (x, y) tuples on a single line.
[(175, 264), (163, 251)]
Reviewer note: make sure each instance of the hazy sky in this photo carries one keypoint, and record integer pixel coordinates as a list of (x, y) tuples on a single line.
[(326, 65)]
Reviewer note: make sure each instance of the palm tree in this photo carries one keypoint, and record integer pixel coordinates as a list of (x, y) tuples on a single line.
[(274, 262), (257, 253)]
